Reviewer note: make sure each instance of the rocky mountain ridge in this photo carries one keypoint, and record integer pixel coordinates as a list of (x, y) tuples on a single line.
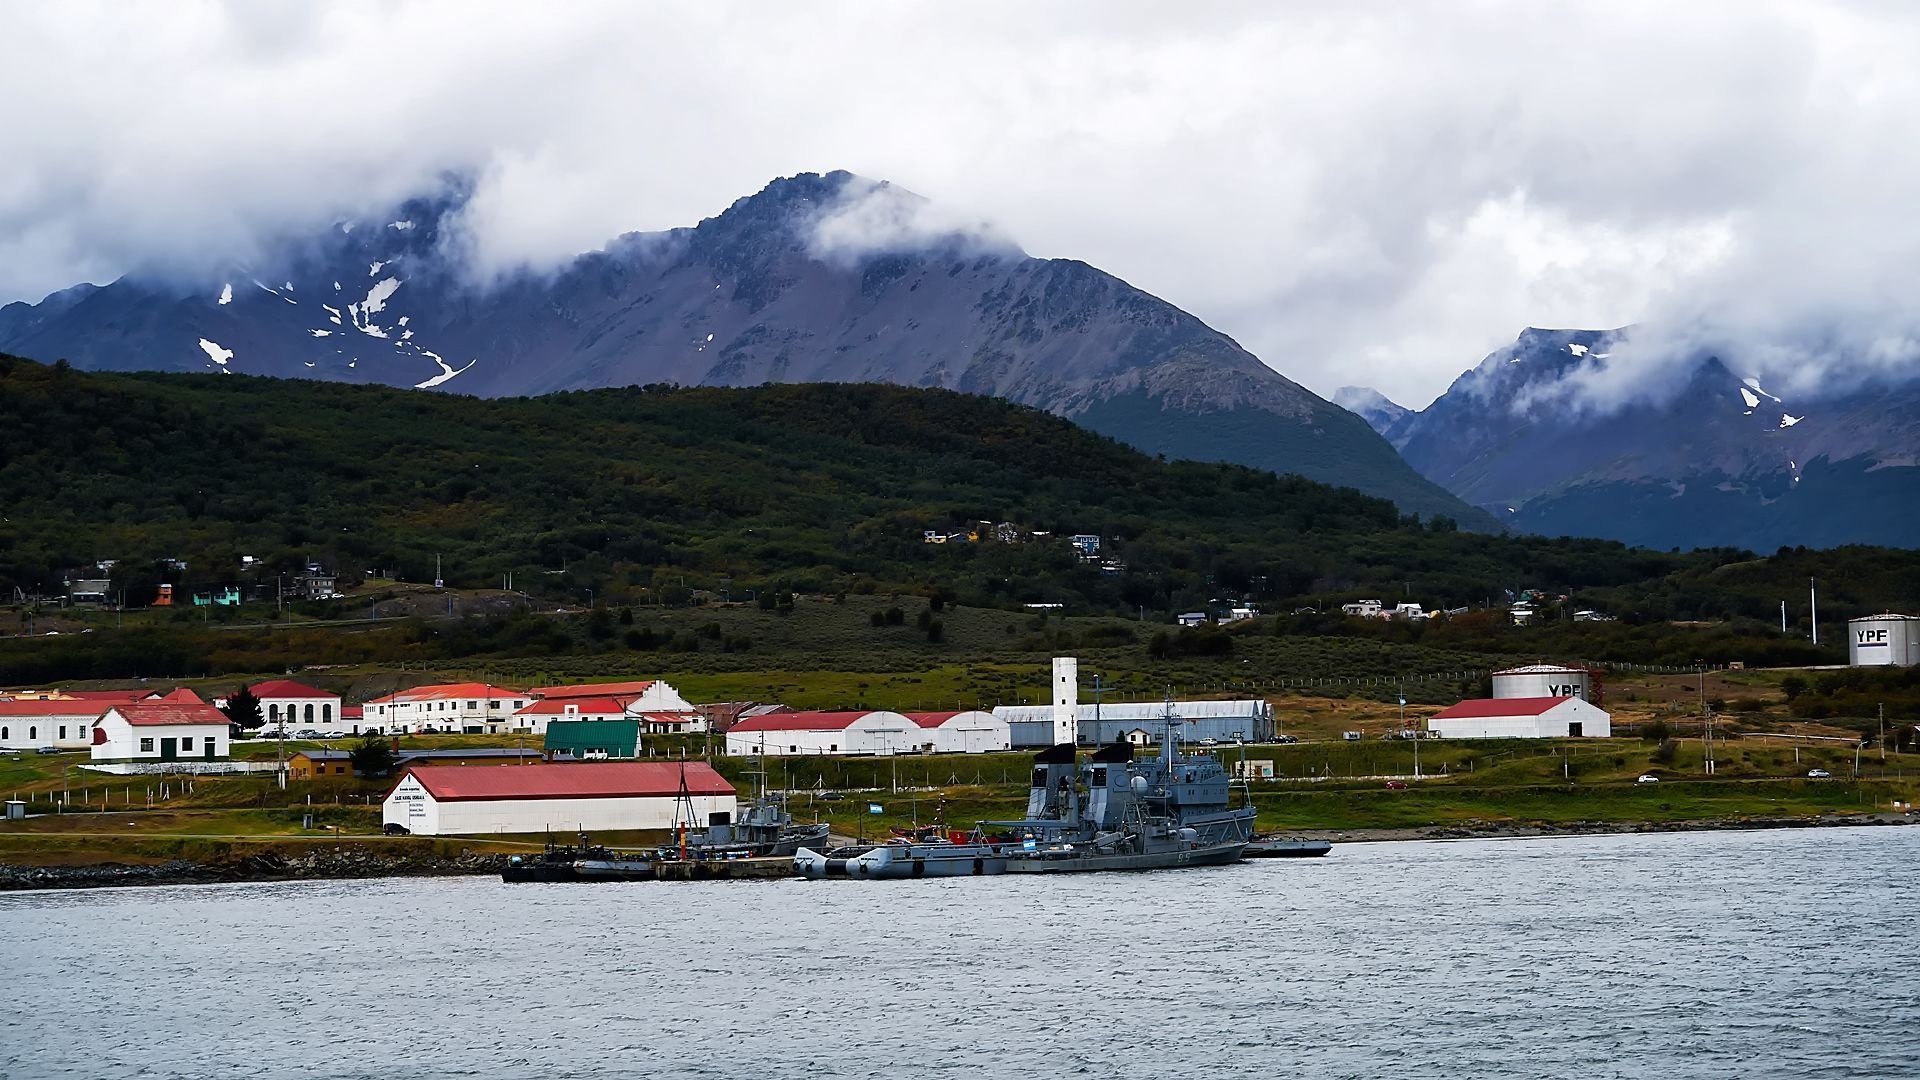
[(813, 279)]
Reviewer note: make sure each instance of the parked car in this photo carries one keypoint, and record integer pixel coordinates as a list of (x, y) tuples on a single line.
[(1646, 778), (394, 828), (1396, 785), (830, 795), (1288, 739), (1818, 774), (47, 750)]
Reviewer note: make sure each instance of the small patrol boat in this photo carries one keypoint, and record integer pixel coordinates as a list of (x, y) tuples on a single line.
[(1287, 847)]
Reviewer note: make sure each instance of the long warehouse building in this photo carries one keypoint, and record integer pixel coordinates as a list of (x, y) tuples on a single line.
[(1142, 723), (463, 800)]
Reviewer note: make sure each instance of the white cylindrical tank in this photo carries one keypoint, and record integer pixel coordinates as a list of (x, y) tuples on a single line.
[(1543, 680), (1885, 640)]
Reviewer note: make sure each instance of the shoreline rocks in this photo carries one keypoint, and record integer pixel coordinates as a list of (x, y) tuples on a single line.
[(343, 863)]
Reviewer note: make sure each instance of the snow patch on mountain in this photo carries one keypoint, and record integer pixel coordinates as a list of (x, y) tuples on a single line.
[(1787, 421), (447, 371), (226, 294), (377, 296), (1576, 348), (215, 353), (1752, 399)]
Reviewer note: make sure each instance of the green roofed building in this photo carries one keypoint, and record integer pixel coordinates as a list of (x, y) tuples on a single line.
[(592, 740)]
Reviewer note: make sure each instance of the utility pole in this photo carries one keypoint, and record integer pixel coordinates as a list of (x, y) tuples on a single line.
[(1883, 732), (1813, 610)]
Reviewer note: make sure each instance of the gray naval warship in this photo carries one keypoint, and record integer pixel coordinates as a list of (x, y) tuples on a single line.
[(1109, 812)]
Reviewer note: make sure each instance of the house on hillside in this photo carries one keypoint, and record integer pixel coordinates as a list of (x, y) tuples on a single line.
[(153, 731), (467, 708), (538, 715), (653, 702), (283, 701)]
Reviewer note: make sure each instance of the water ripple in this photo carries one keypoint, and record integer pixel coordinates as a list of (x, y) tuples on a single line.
[(1749, 955)]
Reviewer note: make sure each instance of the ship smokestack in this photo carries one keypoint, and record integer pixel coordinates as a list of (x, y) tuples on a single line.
[(1066, 700)]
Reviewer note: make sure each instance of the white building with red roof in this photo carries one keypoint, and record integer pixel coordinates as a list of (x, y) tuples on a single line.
[(538, 714), (655, 704), (1522, 718), (284, 701), (471, 708), (841, 732), (161, 731), (965, 731), (640, 695), (62, 723), (463, 800)]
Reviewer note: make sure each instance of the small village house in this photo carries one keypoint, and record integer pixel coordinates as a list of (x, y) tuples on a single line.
[(161, 731)]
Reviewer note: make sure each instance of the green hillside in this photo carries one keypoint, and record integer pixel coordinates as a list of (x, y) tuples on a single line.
[(647, 495)]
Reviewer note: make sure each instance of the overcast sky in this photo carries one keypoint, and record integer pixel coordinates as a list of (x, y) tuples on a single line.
[(1375, 194)]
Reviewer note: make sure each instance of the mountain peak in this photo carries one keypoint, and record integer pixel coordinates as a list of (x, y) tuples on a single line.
[(1379, 411)]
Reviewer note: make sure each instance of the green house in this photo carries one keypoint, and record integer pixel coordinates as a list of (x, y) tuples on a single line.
[(592, 740)]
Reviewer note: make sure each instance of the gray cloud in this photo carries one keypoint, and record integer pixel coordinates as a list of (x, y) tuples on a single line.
[(1379, 195)]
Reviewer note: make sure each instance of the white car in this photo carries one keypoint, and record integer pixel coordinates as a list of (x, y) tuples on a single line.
[(1646, 778), (1818, 774)]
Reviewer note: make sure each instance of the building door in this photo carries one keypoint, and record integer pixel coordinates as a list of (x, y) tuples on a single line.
[(210, 748), (1573, 729), (169, 749)]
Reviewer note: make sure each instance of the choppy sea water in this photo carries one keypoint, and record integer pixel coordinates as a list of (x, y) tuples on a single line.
[(1765, 954)]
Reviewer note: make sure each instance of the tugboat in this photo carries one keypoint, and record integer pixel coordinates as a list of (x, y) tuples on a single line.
[(1109, 813)]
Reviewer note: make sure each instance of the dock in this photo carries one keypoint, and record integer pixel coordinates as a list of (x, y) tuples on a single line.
[(772, 866)]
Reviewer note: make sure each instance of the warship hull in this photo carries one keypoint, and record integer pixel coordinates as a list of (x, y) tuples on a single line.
[(1203, 855)]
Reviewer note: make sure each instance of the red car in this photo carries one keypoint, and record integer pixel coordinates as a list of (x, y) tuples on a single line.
[(1396, 785)]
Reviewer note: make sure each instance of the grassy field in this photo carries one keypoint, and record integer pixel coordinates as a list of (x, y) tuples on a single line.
[(85, 817)]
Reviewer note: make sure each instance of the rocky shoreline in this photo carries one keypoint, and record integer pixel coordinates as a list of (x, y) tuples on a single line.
[(348, 862), (340, 863)]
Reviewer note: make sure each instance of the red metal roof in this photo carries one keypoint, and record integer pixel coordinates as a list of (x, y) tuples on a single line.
[(148, 714), (287, 688), (584, 706), (670, 717), (351, 712), (799, 721), (587, 780), (930, 719), (605, 689), (35, 707), (437, 691), (1513, 706), (179, 695)]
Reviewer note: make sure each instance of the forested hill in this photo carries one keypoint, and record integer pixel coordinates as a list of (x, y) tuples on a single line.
[(812, 487)]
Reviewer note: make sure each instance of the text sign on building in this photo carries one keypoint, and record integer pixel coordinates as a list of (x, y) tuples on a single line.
[(1868, 639)]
